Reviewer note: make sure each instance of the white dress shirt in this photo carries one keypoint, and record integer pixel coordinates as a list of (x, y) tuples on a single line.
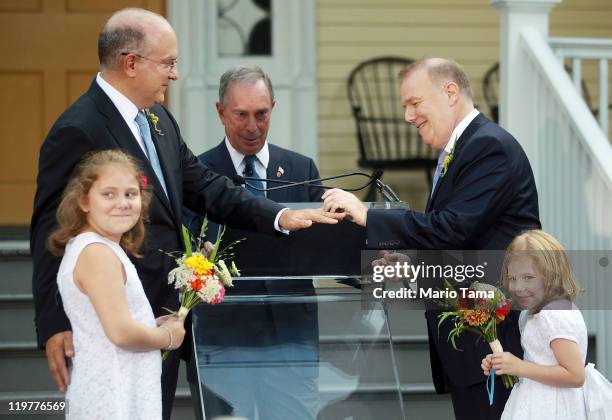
[(260, 164), (458, 131), (126, 108)]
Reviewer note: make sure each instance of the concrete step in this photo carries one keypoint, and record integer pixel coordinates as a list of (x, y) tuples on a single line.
[(17, 315), (404, 318), (15, 274), (349, 356), (27, 368), (182, 409), (418, 405)]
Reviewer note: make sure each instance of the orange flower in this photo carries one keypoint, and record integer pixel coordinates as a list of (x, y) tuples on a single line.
[(475, 317), (196, 284)]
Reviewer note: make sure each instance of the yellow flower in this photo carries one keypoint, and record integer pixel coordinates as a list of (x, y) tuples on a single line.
[(154, 120), (447, 161), (199, 264)]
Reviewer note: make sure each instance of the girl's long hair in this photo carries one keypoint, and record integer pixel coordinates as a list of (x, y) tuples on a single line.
[(70, 217)]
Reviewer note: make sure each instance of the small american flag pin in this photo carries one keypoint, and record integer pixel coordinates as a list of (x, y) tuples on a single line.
[(280, 172)]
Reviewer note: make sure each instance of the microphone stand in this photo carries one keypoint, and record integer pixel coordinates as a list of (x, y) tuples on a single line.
[(384, 189)]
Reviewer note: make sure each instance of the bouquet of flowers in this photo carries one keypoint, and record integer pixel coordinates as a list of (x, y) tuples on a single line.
[(201, 278), (479, 309)]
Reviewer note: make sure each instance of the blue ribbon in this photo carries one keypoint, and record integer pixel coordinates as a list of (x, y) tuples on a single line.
[(491, 386)]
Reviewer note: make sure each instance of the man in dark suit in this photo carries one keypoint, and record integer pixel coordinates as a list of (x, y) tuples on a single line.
[(138, 55), (484, 195), (246, 101), (259, 345)]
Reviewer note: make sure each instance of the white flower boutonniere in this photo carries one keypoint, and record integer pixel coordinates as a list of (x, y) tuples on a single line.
[(154, 120)]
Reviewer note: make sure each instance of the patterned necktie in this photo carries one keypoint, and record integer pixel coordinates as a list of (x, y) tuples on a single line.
[(249, 170), (438, 170), (145, 134)]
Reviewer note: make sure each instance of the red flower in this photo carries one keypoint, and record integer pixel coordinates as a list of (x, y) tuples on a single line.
[(144, 182), (465, 302), (196, 284), (503, 310)]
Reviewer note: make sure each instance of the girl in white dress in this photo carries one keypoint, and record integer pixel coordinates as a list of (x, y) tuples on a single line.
[(539, 277), (116, 368)]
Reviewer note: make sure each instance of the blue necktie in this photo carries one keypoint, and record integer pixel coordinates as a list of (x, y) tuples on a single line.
[(145, 134), (438, 170), (249, 170)]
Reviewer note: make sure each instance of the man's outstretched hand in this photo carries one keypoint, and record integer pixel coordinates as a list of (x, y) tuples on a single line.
[(304, 218)]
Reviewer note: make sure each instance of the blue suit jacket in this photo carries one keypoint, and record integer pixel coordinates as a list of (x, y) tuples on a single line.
[(487, 197)]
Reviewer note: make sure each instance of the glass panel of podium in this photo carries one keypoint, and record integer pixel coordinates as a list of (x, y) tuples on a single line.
[(292, 341), (296, 348)]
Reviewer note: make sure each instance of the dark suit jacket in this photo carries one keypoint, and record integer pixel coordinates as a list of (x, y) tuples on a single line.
[(257, 325), (94, 123), (296, 168), (487, 197)]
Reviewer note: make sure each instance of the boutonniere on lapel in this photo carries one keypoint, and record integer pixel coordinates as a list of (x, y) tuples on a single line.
[(280, 172), (154, 120), (447, 161)]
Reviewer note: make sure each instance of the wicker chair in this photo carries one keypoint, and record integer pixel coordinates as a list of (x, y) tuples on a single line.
[(386, 141)]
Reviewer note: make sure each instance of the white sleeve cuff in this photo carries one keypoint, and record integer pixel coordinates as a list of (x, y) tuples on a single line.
[(276, 219)]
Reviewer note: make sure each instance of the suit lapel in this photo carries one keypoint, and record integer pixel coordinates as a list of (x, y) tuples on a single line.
[(125, 138), (224, 160), (470, 130), (280, 196)]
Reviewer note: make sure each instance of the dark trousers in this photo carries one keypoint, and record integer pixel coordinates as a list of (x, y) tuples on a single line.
[(472, 403), (169, 378)]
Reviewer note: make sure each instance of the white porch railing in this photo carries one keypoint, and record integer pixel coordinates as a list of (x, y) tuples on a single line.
[(572, 160), (579, 49)]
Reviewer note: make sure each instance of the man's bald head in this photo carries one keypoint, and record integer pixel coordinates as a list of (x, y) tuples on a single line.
[(440, 71), (127, 31)]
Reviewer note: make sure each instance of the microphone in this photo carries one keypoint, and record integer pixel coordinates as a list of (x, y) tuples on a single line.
[(384, 189)]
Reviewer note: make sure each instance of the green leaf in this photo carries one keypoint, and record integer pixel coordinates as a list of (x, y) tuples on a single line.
[(186, 240), (213, 255)]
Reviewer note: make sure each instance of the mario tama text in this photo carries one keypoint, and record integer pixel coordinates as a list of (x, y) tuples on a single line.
[(403, 272), (430, 293)]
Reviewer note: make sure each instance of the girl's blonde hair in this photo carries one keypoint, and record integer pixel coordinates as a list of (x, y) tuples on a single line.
[(70, 217), (551, 261)]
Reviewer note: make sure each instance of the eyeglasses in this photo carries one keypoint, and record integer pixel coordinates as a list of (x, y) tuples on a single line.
[(168, 65)]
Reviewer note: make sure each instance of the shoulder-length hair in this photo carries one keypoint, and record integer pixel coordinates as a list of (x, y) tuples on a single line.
[(552, 262), (71, 219)]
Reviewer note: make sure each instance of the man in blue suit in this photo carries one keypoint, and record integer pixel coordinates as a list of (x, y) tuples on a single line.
[(484, 195), (262, 357)]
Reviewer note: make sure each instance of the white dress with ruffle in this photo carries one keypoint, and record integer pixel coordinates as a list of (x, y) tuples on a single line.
[(533, 400)]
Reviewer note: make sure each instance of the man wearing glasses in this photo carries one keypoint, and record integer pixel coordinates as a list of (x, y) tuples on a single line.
[(137, 50)]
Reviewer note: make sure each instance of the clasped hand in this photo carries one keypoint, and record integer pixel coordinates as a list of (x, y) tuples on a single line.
[(343, 202), (504, 364)]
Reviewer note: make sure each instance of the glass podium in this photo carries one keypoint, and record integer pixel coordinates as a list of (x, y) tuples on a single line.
[(297, 343)]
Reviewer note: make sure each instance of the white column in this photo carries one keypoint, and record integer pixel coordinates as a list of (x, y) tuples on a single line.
[(188, 96), (515, 15)]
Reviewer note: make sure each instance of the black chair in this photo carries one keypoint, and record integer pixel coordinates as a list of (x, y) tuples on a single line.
[(386, 141), (490, 90)]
